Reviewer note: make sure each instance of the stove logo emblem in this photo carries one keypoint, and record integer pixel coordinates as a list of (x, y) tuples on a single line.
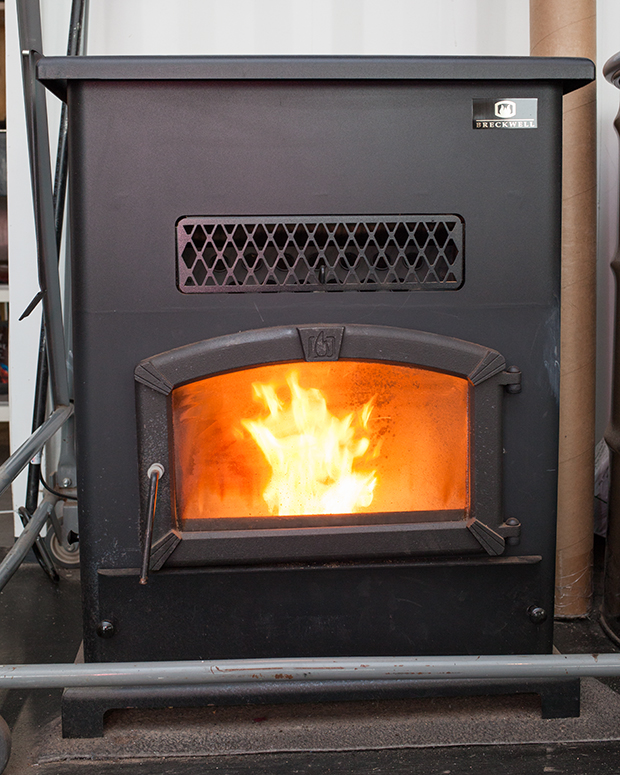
[(321, 344), (517, 113), (505, 109)]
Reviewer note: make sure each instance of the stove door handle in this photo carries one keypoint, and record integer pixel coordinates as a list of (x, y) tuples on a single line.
[(489, 540), (155, 472)]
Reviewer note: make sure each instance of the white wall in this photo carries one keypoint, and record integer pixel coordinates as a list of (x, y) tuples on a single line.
[(451, 27), (482, 27)]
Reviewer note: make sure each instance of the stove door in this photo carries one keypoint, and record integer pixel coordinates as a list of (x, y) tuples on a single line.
[(313, 443)]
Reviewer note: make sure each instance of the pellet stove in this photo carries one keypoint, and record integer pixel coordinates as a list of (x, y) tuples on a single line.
[(322, 294)]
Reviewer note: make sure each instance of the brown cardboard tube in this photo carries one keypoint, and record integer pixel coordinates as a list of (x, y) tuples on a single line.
[(568, 28)]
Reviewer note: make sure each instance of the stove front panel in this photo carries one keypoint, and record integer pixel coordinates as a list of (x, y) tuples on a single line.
[(144, 156)]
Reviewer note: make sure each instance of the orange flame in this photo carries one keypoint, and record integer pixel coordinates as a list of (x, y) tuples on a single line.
[(312, 453)]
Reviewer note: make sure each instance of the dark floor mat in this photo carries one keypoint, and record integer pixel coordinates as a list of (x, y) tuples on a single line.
[(433, 722)]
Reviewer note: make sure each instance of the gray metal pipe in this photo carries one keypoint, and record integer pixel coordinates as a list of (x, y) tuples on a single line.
[(47, 253), (20, 548), (22, 456), (237, 671)]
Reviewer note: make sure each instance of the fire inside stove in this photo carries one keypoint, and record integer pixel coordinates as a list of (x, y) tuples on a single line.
[(317, 459), (312, 439)]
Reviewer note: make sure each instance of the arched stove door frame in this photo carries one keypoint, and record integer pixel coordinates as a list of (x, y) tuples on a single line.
[(482, 530)]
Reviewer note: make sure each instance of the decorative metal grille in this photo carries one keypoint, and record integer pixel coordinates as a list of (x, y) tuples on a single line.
[(414, 252)]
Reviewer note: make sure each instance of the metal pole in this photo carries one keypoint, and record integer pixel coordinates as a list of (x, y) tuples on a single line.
[(29, 535), (75, 47), (238, 671), (39, 549), (29, 22), (49, 282), (155, 472), (22, 456), (38, 417)]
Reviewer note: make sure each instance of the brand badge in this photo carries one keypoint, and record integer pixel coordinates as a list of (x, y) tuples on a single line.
[(321, 344), (505, 114)]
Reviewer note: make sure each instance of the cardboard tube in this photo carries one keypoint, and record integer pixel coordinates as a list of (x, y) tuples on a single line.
[(568, 28)]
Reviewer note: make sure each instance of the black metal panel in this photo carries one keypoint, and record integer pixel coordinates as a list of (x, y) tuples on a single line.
[(233, 255), (347, 138), (572, 73), (431, 607)]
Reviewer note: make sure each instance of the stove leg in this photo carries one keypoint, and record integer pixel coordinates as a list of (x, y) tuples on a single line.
[(83, 712), (561, 698)]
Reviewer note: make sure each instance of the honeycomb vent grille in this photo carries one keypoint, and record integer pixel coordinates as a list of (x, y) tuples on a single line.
[(240, 255)]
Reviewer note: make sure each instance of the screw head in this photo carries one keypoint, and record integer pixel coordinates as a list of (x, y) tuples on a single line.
[(105, 629), (66, 482), (537, 614)]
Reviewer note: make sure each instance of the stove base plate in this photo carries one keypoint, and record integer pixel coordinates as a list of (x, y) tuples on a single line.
[(83, 709)]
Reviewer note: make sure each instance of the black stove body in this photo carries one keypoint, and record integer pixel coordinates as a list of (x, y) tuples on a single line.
[(233, 212)]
